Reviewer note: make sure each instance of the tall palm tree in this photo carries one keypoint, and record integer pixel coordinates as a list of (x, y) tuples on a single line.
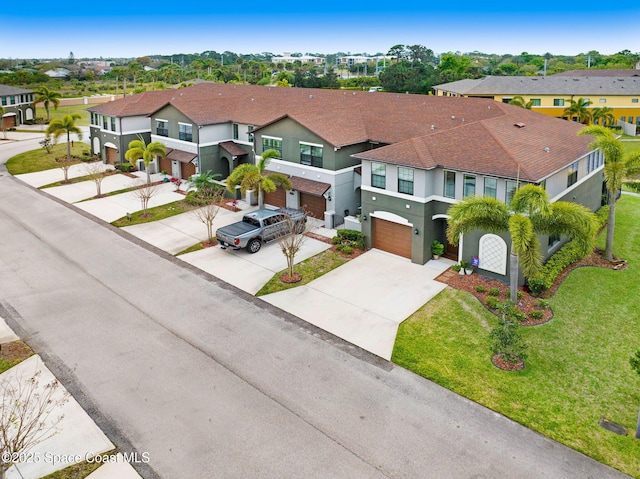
[(67, 125), (48, 97), (578, 109), (617, 167), (252, 177), (532, 213), (604, 114), (519, 101), (138, 149)]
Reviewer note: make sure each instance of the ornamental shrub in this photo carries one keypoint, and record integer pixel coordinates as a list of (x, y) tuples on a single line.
[(536, 314), (356, 237), (494, 292), (480, 288), (492, 302)]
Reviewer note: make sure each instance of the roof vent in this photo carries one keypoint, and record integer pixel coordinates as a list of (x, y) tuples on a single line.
[(576, 79), (488, 107), (453, 117), (433, 127), (463, 120), (547, 149), (519, 125)]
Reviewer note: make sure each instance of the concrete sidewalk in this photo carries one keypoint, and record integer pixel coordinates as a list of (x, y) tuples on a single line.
[(76, 437), (53, 175)]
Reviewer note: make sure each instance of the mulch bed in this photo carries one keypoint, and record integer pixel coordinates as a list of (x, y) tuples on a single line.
[(500, 362), (528, 303), (285, 278), (356, 252)]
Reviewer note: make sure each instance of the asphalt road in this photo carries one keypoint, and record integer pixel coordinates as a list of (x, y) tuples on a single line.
[(213, 383)]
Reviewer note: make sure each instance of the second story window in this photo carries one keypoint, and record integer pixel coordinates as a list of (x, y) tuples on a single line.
[(405, 180), (469, 186), (378, 175), (535, 102), (250, 134), (558, 102), (450, 184), (235, 131), (572, 174), (272, 144), (162, 128), (491, 187), (113, 123), (311, 155), (512, 186), (105, 123), (185, 132)]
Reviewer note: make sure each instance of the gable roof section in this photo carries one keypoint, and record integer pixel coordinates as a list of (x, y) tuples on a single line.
[(6, 90), (495, 146), (550, 85)]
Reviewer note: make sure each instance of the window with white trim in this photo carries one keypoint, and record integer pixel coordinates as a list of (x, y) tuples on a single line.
[(469, 186), (269, 143), (379, 175), (490, 187), (311, 155), (572, 174), (511, 189), (162, 127), (450, 184), (185, 132), (405, 180)]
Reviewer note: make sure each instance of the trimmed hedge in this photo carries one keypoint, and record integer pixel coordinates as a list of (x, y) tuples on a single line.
[(565, 256)]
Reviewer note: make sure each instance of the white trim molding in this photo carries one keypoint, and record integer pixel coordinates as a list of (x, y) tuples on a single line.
[(392, 217)]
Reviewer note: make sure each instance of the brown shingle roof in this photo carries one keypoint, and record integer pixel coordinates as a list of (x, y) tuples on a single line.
[(232, 148), (494, 146), (315, 188), (180, 155), (471, 134)]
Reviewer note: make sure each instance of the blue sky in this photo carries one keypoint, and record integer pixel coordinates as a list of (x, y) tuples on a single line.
[(118, 29)]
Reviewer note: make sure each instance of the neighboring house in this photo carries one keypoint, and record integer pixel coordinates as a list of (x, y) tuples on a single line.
[(551, 94), (17, 104), (408, 187), (58, 73), (395, 161)]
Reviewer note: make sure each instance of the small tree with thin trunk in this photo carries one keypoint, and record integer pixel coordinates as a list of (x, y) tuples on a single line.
[(64, 163), (96, 173), (27, 415), (207, 214), (65, 126), (4, 130), (290, 241), (144, 193)]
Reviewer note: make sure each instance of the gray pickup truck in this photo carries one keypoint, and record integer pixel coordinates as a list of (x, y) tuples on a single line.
[(260, 226)]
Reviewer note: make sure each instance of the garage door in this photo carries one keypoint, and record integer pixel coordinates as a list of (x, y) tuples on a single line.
[(112, 155), (392, 237), (276, 198), (314, 205), (9, 121)]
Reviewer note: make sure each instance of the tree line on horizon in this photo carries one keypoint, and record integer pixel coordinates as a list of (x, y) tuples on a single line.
[(404, 68)]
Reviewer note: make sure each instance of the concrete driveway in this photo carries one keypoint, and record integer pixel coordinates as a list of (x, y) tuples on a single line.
[(364, 300), (177, 233), (247, 271)]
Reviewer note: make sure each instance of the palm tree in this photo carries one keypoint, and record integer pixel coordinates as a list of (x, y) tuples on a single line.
[(66, 125), (138, 149), (578, 109), (532, 213), (519, 101), (604, 114), (204, 183), (48, 97), (252, 177), (617, 167)]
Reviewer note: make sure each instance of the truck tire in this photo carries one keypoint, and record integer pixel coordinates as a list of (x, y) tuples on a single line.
[(253, 246)]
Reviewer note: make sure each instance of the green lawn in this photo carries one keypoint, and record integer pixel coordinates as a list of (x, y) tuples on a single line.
[(309, 269), (578, 364), (65, 110), (631, 146), (38, 160), (156, 213)]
